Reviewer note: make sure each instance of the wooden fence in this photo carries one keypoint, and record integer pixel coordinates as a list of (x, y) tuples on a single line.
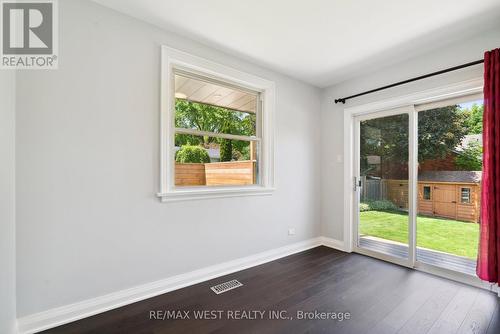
[(373, 190), (395, 191), (215, 173)]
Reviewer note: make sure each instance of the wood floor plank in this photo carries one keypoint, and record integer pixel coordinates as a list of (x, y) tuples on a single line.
[(341, 272), (426, 316), (403, 312), (407, 309), (351, 297), (479, 316), (452, 317), (273, 289), (494, 326), (375, 309), (381, 298)]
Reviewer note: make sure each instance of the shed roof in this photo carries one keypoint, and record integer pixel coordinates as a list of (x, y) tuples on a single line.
[(451, 176)]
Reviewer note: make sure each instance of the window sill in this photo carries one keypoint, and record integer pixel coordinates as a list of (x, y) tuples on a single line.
[(198, 193)]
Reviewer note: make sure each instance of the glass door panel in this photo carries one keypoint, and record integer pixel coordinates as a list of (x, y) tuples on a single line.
[(383, 185), (449, 175)]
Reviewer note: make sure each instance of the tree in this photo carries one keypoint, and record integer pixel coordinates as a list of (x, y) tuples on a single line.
[(226, 150), (204, 117), (471, 158), (192, 154), (440, 130), (226, 146), (474, 120)]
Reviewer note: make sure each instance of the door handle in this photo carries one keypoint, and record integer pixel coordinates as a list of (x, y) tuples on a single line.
[(454, 202), (357, 183)]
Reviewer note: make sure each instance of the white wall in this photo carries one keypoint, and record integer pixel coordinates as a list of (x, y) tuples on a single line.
[(7, 203), (332, 119), (88, 221)]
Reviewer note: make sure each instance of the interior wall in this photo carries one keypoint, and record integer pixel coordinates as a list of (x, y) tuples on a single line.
[(7, 203), (332, 118), (88, 219)]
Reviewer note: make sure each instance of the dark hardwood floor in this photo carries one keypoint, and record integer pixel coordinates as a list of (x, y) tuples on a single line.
[(380, 298)]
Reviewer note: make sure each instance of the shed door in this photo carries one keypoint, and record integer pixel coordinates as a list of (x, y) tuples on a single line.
[(445, 203)]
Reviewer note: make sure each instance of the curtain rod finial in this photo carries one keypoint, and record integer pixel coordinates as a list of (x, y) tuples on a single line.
[(340, 100)]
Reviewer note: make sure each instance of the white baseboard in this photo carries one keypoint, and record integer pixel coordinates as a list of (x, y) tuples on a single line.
[(333, 243), (68, 313)]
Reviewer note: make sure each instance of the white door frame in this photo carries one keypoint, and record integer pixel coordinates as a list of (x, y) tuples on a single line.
[(436, 94), (385, 108)]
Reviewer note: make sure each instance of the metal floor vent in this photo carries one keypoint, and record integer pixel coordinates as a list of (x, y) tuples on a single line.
[(226, 286)]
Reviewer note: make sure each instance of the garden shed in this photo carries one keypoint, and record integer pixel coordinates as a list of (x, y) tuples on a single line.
[(447, 194), (450, 194)]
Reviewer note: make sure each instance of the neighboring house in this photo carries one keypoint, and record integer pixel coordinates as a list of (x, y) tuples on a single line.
[(448, 163), (214, 154), (377, 167)]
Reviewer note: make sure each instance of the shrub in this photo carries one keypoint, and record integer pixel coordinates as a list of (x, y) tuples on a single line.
[(364, 207), (192, 154), (381, 205)]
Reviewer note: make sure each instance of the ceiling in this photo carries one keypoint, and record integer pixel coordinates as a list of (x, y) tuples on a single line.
[(321, 42)]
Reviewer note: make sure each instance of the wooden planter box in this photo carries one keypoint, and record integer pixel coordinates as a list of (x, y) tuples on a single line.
[(215, 173), (190, 174)]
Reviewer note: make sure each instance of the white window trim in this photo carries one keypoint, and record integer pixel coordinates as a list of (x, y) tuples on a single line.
[(175, 59)]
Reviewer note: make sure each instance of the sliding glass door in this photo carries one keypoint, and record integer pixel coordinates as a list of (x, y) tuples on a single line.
[(417, 184), (382, 184)]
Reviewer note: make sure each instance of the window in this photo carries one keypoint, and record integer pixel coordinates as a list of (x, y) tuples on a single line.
[(217, 137), (216, 133), (465, 195), (427, 193)]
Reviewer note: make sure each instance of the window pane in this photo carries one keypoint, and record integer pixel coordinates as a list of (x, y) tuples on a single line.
[(465, 197), (205, 117), (449, 157), (427, 192), (206, 106), (210, 161), (383, 167)]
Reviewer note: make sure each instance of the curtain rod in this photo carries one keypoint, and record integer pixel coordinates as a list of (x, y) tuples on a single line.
[(343, 99)]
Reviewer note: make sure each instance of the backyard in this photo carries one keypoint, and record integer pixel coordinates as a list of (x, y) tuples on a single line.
[(444, 235)]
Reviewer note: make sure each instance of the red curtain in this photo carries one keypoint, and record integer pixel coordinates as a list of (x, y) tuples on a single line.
[(488, 268)]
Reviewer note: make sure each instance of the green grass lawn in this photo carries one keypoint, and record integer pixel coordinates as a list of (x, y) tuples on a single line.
[(445, 235)]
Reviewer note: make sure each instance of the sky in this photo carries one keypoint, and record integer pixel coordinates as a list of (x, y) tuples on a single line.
[(469, 104)]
